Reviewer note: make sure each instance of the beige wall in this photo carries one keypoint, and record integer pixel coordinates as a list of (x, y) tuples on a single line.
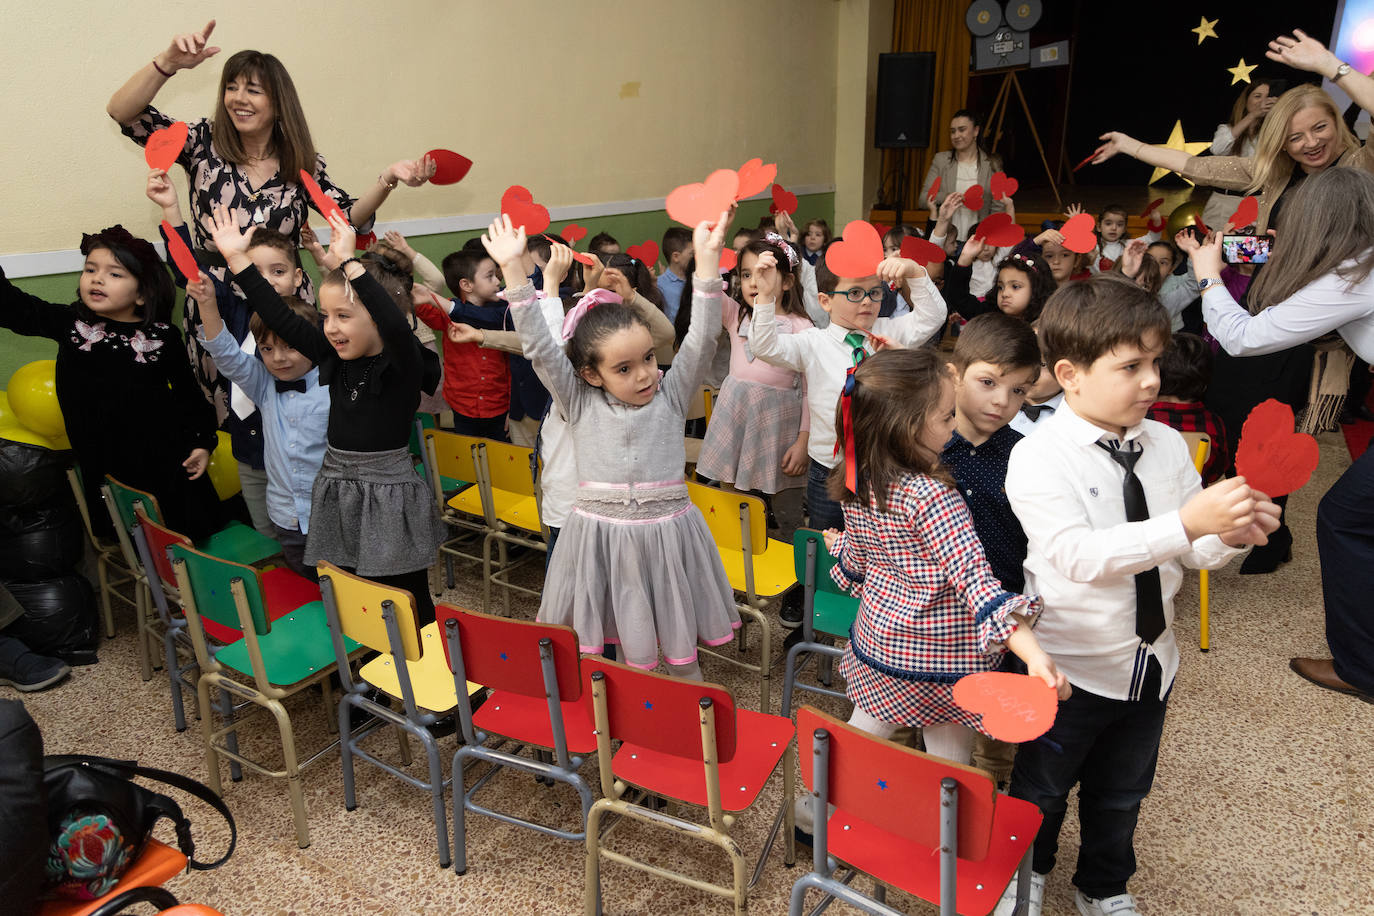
[(582, 102), (865, 30)]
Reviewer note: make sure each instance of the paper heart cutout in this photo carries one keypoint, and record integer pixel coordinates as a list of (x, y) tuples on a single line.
[(857, 253), (728, 260), (323, 202), (646, 251), (180, 254), (577, 256), (922, 251), (165, 145), (1078, 233), (1014, 707), (1105, 264), (1154, 205), (772, 209), (518, 203), (692, 204), (934, 188), (365, 241), (1000, 231), (883, 229), (755, 177), (973, 197), (784, 200), (1002, 186), (450, 168), (1246, 213), (574, 233), (1155, 223), (1272, 457)]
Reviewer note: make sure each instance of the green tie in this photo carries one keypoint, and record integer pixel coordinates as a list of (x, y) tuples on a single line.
[(856, 340)]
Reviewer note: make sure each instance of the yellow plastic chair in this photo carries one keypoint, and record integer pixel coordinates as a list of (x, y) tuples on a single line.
[(508, 478), (758, 566), (411, 667), (454, 457), (1200, 444), (700, 408), (112, 566)]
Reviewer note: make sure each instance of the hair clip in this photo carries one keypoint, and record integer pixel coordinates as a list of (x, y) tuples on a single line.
[(773, 238)]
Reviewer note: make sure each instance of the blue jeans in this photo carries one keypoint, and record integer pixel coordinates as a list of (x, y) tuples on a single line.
[(824, 511), (1109, 748)]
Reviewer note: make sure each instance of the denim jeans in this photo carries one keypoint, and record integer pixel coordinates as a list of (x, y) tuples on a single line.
[(824, 511)]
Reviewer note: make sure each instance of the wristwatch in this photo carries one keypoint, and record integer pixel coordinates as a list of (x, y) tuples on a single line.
[(1208, 283), (1341, 71)]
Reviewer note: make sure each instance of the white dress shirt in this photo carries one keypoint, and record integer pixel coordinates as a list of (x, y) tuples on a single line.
[(1083, 555), (1025, 425), (1328, 303), (824, 358)]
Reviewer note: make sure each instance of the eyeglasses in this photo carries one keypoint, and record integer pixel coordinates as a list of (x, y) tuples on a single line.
[(855, 294)]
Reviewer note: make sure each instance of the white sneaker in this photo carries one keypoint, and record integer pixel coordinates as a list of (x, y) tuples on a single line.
[(1120, 905), (1007, 905)]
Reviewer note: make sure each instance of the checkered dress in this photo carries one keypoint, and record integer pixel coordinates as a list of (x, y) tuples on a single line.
[(930, 608)]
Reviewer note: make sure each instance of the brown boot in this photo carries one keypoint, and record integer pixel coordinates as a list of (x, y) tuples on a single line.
[(1322, 672)]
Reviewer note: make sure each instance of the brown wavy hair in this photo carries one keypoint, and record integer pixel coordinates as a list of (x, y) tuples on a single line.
[(291, 142)]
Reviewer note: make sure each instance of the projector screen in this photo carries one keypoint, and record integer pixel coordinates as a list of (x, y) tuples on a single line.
[(1352, 39)]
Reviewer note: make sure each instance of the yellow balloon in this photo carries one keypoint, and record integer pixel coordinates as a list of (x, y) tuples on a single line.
[(33, 398), (1185, 215), (7, 417), (223, 469), (27, 436)]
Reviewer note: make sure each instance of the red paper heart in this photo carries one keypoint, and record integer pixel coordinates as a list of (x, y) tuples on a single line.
[(921, 251), (1154, 205), (574, 233), (1272, 457), (1002, 186), (450, 168), (577, 256), (365, 241), (1105, 264), (728, 260), (1156, 222), (165, 145), (1246, 213), (646, 251), (973, 197), (518, 203), (883, 229), (1000, 231), (857, 253), (784, 200), (755, 177), (181, 255), (1015, 707), (1078, 233), (934, 188), (691, 204), (772, 209), (323, 202)]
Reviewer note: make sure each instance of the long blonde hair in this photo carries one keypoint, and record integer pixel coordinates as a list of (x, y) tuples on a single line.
[(1273, 167), (1325, 222)]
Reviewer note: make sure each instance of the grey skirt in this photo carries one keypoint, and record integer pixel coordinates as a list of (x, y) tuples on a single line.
[(370, 512)]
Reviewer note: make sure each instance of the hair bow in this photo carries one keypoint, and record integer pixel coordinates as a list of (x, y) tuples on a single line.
[(778, 241), (851, 465), (584, 305), (117, 235)]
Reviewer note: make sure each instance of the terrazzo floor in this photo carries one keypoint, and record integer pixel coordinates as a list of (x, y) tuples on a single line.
[(1262, 803)]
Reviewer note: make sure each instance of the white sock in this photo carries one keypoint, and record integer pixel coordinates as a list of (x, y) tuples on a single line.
[(688, 672), (950, 741), (872, 724)]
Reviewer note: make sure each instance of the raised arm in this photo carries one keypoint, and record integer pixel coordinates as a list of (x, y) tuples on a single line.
[(928, 310), (246, 371), (1303, 52), (411, 172), (1234, 173), (24, 313), (693, 358), (186, 51)]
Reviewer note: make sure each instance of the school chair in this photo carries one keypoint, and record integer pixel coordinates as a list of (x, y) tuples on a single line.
[(111, 571), (826, 610), (1200, 444), (756, 565), (453, 458), (930, 828), (410, 666), (536, 701), (157, 863), (508, 477), (701, 407), (270, 661), (720, 766)]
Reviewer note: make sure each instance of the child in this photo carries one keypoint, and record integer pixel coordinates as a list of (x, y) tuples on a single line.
[(930, 609), (984, 275), (759, 431), (825, 355), (285, 385), (1043, 399), (1024, 284), (1111, 233), (677, 251), (603, 245), (637, 566), (1108, 574), (370, 513), (1185, 370), (130, 403), (815, 239), (1065, 266)]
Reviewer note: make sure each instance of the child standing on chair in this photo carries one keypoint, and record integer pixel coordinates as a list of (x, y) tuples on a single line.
[(635, 564), (930, 609)]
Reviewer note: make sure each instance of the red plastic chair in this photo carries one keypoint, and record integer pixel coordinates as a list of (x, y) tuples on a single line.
[(900, 817), (721, 765), (536, 699), (156, 864)]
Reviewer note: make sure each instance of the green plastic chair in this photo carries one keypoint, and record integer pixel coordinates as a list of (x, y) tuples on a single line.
[(827, 612), (271, 661), (235, 542)]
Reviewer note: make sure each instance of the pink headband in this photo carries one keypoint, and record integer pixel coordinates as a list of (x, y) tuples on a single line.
[(584, 305)]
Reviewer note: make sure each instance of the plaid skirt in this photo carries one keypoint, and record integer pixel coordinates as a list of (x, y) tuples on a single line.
[(751, 428), (900, 701)]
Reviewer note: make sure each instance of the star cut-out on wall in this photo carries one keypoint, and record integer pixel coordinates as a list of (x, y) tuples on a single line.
[(1206, 29), (1177, 142), (1240, 73)]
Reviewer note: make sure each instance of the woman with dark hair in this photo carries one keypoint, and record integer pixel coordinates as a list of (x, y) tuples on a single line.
[(959, 169), (1236, 137)]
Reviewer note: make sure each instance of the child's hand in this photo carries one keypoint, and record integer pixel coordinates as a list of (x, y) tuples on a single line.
[(707, 240), (831, 535), (161, 191), (1049, 235), (972, 248), (951, 205), (398, 241), (410, 172), (196, 463), (613, 280), (231, 241), (311, 243), (1133, 257), (203, 291), (460, 333), (796, 461), (423, 295), (1205, 255), (343, 240), (767, 280), (560, 262), (1073, 210), (782, 222), (1221, 508), (1043, 668), (1008, 206), (505, 243), (591, 273), (1267, 520), (895, 270)]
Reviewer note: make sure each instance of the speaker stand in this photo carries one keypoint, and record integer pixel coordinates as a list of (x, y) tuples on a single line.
[(998, 113)]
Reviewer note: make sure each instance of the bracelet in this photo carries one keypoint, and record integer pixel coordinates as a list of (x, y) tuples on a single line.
[(346, 261), (389, 185), (160, 70)]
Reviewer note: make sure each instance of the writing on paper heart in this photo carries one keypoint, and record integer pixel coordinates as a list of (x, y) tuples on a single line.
[(1272, 457), (165, 145), (1014, 707)]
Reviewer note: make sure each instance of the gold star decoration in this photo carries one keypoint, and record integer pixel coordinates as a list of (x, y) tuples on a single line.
[(1177, 142), (1240, 72), (1206, 29)]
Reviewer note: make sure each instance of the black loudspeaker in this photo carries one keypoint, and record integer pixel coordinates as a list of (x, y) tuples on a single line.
[(906, 90)]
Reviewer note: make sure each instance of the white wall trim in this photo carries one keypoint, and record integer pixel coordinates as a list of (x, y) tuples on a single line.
[(43, 263)]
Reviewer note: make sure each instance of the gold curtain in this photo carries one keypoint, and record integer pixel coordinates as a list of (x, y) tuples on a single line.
[(932, 25)]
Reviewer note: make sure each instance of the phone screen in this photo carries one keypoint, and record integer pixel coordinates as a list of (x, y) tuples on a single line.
[(1245, 249)]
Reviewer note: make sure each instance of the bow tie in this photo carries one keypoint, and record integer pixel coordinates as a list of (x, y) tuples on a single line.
[(297, 385), (1033, 411)]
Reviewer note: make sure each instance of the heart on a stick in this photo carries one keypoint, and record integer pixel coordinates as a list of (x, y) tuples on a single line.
[(365, 241), (574, 233), (1272, 457), (181, 255), (449, 167), (934, 188), (857, 253), (1154, 205), (646, 251), (327, 206), (973, 197), (1246, 213), (1000, 231), (691, 204), (577, 256), (1014, 707), (921, 251), (165, 145), (1002, 186), (518, 203), (784, 200), (755, 177), (1078, 233)]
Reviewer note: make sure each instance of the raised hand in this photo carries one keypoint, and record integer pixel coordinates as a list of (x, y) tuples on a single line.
[(1133, 257), (1072, 210), (343, 239), (951, 205), (895, 270), (708, 239), (411, 172), (161, 191), (785, 227), (560, 262), (398, 241), (188, 50), (767, 280), (505, 243), (1205, 255), (615, 281), (591, 273), (229, 239), (1116, 142), (972, 248), (1303, 52)]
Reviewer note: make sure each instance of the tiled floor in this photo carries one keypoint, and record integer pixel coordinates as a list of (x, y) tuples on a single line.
[(1263, 804)]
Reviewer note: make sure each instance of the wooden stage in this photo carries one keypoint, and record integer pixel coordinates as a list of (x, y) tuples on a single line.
[(1035, 205)]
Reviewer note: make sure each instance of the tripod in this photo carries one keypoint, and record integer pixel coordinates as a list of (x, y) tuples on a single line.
[(998, 113)]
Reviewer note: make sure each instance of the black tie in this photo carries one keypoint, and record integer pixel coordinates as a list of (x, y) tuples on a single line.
[(1035, 410), (297, 385), (1149, 604)]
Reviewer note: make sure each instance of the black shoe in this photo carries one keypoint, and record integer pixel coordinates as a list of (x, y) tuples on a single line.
[(790, 614), (792, 638), (1355, 414), (1267, 557), (28, 671)]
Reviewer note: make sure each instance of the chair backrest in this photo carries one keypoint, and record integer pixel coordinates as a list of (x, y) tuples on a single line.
[(833, 616), (508, 467), (659, 712), (211, 578), (358, 603), (124, 498), (423, 421), (159, 538), (722, 513), (897, 788), (708, 400), (452, 455), (1199, 446), (503, 654)]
